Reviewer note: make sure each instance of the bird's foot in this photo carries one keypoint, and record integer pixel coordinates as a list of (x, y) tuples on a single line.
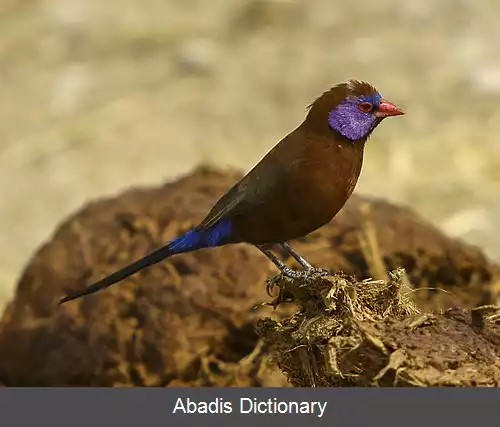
[(284, 272), (303, 275), (307, 274), (294, 274), (316, 271)]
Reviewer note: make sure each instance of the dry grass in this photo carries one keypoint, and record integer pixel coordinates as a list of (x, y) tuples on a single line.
[(98, 96), (370, 333)]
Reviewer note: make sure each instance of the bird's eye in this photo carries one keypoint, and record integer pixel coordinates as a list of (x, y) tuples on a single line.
[(366, 107)]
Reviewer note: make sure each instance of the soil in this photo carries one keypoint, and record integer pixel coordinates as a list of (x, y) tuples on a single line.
[(190, 320)]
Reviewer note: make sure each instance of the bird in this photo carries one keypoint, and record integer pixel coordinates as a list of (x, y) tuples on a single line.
[(296, 188)]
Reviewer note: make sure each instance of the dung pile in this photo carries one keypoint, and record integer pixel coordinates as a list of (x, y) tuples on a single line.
[(190, 320), (370, 333)]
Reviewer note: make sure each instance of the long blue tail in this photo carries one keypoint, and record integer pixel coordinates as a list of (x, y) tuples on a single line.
[(194, 239)]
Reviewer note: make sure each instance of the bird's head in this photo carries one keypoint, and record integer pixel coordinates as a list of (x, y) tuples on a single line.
[(353, 109)]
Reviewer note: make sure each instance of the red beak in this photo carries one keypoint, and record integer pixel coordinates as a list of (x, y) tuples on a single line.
[(386, 109)]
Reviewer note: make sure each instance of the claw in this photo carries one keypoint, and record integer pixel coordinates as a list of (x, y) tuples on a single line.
[(271, 283)]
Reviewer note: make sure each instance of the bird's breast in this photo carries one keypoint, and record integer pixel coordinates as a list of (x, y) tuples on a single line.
[(322, 186)]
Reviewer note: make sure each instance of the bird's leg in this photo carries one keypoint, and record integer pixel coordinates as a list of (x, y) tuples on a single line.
[(287, 271), (302, 261)]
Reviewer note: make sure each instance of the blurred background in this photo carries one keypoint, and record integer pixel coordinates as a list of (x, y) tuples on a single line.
[(99, 96)]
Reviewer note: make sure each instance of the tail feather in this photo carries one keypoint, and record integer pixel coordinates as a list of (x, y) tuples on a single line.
[(153, 258), (192, 240)]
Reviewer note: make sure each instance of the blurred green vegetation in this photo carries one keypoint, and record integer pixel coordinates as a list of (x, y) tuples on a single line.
[(100, 96)]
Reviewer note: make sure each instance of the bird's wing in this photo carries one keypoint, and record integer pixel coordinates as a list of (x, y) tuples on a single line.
[(229, 204), (248, 194), (263, 181)]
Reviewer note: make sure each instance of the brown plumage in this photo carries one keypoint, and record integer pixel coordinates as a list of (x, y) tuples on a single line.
[(296, 188), (293, 190)]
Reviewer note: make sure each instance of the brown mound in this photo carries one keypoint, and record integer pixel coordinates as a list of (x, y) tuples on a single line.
[(370, 333), (189, 320)]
